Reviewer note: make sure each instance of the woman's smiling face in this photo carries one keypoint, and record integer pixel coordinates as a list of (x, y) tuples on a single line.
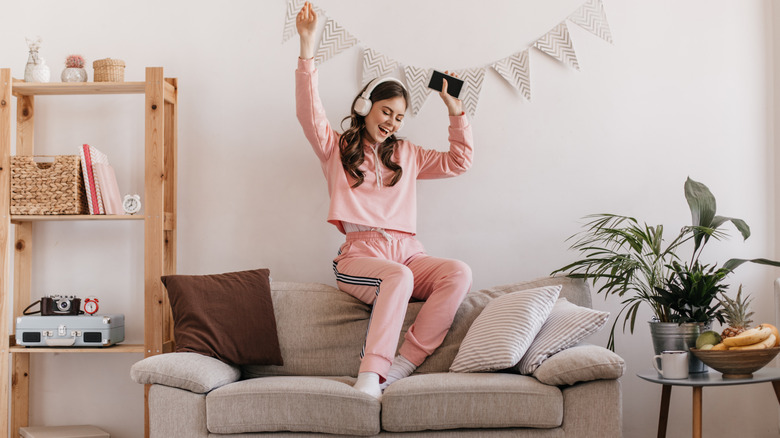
[(385, 118)]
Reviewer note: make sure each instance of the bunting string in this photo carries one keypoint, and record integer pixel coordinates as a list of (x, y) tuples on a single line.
[(514, 69)]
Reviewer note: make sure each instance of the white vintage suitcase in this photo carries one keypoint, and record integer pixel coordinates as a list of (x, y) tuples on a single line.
[(70, 330)]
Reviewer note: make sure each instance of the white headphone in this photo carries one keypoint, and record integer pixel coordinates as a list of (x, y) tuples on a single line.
[(363, 103)]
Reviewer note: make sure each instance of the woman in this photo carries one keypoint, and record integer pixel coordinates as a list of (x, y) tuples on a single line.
[(371, 177)]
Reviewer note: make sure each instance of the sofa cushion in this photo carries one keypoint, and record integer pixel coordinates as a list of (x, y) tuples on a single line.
[(321, 331), (444, 401), (575, 290), (567, 325), (504, 330), (580, 364), (296, 404), (190, 371), (227, 316)]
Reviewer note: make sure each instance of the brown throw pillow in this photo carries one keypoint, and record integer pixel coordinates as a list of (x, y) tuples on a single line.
[(227, 316)]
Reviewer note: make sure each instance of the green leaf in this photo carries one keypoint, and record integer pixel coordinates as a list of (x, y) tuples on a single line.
[(702, 203), (733, 264), (740, 225)]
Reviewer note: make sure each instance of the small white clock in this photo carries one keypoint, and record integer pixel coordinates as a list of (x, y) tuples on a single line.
[(91, 305), (132, 204)]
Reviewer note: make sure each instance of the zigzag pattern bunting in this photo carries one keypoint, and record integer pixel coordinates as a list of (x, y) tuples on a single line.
[(472, 88), (417, 84), (515, 69), (376, 65), (557, 43), (335, 39), (592, 18)]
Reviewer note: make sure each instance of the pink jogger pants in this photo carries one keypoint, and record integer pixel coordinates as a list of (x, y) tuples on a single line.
[(385, 271)]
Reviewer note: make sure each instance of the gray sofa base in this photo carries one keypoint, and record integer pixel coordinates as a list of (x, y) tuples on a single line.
[(588, 411)]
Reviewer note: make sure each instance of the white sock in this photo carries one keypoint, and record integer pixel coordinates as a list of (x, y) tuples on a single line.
[(400, 368), (368, 383)]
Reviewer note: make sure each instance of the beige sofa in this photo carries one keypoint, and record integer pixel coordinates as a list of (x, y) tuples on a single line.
[(574, 393)]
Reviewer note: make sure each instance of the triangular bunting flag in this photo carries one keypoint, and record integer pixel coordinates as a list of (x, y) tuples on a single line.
[(516, 71), (376, 64), (592, 18), (293, 7), (417, 84), (557, 43), (472, 88), (335, 39)]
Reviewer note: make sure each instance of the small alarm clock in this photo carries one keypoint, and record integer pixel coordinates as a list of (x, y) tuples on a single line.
[(91, 305), (132, 204)]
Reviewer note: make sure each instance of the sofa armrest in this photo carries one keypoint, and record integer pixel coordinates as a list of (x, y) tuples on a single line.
[(190, 371), (581, 363)]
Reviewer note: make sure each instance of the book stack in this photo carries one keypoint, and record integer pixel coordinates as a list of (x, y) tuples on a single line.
[(100, 182)]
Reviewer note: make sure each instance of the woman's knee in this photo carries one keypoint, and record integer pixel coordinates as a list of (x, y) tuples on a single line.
[(404, 278), (400, 278), (460, 272)]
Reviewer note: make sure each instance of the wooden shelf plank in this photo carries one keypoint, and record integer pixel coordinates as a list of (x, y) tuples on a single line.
[(119, 348), (21, 88), (17, 218)]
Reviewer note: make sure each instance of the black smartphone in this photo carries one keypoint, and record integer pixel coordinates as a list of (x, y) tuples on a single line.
[(454, 85)]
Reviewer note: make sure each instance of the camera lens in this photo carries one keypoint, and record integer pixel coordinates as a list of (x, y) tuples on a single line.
[(63, 305)]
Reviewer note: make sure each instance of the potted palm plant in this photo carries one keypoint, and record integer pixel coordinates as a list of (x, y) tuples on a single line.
[(632, 260)]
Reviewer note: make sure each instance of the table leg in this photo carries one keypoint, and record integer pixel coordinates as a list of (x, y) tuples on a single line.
[(697, 411), (776, 386), (663, 416)]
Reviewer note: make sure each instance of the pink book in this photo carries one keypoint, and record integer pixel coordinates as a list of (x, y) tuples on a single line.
[(98, 157), (89, 180), (106, 179)]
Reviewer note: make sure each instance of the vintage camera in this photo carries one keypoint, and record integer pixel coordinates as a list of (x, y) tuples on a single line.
[(60, 305)]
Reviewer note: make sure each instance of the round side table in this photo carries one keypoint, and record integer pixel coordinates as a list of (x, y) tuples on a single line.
[(698, 381)]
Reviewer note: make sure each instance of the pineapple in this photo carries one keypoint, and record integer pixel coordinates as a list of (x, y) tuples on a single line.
[(736, 314)]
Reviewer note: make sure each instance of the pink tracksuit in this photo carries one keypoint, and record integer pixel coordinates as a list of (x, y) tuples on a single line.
[(385, 265)]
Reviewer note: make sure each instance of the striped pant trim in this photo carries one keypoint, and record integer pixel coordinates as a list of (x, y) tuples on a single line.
[(359, 281)]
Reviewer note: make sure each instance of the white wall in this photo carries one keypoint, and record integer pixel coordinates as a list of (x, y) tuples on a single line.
[(686, 90)]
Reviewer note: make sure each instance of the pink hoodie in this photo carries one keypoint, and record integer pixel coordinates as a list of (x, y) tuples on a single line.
[(391, 208)]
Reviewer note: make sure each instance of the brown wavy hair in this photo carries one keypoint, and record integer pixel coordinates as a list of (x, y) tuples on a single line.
[(351, 142)]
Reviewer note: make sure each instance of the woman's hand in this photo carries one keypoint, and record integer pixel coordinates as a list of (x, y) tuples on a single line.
[(454, 105), (306, 23)]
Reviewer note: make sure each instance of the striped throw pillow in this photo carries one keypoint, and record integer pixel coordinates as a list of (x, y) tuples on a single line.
[(567, 325), (504, 330)]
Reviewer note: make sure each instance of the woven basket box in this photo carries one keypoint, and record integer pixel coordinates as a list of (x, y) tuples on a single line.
[(54, 187), (109, 70)]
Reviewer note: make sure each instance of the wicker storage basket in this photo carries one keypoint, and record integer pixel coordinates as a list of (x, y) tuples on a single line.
[(109, 70), (47, 187)]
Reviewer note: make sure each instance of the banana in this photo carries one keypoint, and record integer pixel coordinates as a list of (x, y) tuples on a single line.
[(774, 330), (766, 343), (719, 347), (749, 337)]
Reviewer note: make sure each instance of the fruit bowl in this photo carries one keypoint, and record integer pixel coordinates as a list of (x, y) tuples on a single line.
[(736, 364)]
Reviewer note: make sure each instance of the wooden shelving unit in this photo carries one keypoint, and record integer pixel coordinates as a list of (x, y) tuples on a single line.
[(159, 216)]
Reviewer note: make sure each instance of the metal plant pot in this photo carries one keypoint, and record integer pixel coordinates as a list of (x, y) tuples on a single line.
[(674, 336)]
